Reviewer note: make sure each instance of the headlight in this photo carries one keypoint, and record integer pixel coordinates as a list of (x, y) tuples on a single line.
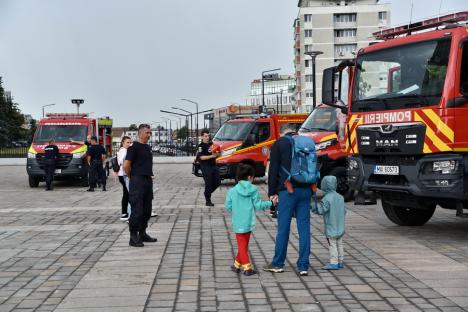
[(31, 155), (445, 167), (352, 164), (325, 144), (79, 155), (228, 152)]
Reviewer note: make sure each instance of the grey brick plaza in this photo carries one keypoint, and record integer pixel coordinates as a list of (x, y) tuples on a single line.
[(67, 251)]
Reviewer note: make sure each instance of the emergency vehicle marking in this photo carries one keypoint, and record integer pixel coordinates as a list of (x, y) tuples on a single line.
[(247, 149), (432, 142), (440, 125), (387, 117), (328, 137), (354, 122)]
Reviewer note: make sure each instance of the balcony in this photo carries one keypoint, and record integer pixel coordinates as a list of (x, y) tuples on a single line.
[(340, 25), (339, 40), (344, 55)]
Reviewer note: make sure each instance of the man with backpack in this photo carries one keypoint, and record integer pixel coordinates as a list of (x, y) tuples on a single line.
[(291, 177)]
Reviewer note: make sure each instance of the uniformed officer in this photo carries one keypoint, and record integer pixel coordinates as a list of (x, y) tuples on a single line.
[(138, 166), (207, 159), (96, 157), (51, 152)]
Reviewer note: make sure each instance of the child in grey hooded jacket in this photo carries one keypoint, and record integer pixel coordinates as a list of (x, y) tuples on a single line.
[(332, 208)]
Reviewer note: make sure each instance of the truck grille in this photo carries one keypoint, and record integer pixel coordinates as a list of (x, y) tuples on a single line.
[(63, 160)]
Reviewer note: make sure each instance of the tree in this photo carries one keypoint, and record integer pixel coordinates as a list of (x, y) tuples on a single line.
[(11, 119), (182, 133), (133, 127)]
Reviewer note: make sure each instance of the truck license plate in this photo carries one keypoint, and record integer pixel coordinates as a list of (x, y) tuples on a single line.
[(58, 170), (387, 170)]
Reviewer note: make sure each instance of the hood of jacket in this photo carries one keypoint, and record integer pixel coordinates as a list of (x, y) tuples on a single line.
[(328, 184), (245, 188)]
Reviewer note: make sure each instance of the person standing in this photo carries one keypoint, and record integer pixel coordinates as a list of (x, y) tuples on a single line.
[(123, 179), (139, 168), (51, 152), (96, 158), (296, 202), (207, 159)]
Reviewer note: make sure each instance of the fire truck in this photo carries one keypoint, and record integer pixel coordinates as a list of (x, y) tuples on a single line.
[(248, 139), (326, 126), (69, 132), (407, 116)]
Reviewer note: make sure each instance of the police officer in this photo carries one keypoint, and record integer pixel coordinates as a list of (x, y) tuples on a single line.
[(138, 166), (51, 152), (96, 158), (207, 159)]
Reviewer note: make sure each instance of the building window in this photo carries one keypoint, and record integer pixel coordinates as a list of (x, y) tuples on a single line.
[(308, 78), (382, 16), (345, 33), (342, 49), (307, 18), (308, 48), (309, 94), (308, 33), (345, 18), (307, 63)]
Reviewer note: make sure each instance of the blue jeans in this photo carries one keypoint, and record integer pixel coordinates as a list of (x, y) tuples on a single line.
[(299, 204)]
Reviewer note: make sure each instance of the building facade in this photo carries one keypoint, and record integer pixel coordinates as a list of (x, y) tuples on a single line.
[(278, 90), (337, 28)]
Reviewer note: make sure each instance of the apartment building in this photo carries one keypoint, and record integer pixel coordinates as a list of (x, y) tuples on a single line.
[(278, 91), (338, 29)]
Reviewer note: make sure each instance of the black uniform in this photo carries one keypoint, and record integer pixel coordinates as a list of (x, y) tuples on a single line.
[(140, 186), (51, 153), (209, 170), (96, 166)]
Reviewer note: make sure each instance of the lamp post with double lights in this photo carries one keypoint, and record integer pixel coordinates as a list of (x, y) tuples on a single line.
[(196, 105), (77, 102), (43, 112), (189, 135), (313, 55), (263, 87), (180, 124)]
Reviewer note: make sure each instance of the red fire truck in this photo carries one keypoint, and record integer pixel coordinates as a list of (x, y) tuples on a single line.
[(407, 116), (248, 139), (69, 132)]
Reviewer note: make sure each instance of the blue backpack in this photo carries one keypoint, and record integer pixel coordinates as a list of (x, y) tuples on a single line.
[(303, 160)]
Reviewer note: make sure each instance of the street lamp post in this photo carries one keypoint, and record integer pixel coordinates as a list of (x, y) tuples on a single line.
[(189, 131), (263, 87), (196, 104), (77, 102), (43, 113), (313, 55)]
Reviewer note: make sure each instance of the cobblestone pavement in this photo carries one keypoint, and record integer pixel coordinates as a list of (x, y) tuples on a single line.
[(67, 251)]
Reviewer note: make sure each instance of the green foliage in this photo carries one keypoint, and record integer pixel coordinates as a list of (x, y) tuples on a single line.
[(182, 133), (133, 127), (11, 119)]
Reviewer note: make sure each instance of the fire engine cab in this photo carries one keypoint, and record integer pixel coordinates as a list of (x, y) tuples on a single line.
[(407, 117), (248, 139), (69, 132)]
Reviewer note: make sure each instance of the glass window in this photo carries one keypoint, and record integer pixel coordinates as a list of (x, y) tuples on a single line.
[(308, 47), (307, 18), (308, 33), (382, 16), (307, 63), (60, 133), (233, 131), (321, 119), (343, 49), (415, 76), (308, 78), (464, 69), (345, 33), (345, 18)]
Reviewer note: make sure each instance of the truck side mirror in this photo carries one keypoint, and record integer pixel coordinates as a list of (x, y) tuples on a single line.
[(328, 86)]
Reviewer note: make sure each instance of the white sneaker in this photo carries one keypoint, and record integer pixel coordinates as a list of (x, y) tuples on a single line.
[(154, 214), (124, 217)]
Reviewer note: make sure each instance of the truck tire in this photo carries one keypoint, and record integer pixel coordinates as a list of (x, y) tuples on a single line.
[(33, 181), (342, 183), (408, 216)]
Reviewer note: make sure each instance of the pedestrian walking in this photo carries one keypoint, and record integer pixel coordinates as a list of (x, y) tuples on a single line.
[(292, 198), (51, 152), (96, 158), (242, 201), (139, 168), (207, 158), (123, 179), (332, 208)]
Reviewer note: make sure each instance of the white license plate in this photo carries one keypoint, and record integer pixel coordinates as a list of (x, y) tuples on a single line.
[(387, 170), (58, 170)]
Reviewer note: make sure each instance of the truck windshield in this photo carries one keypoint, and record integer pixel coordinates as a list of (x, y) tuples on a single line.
[(60, 133), (233, 131), (411, 75), (321, 119)]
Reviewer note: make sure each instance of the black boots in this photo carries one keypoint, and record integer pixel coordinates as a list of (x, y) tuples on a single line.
[(135, 239), (144, 237), (91, 189), (104, 188), (208, 202)]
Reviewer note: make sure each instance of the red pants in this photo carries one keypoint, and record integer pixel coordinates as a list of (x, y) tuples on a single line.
[(242, 258)]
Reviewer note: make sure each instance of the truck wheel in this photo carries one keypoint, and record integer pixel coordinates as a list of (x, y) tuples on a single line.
[(342, 183), (33, 181), (408, 216)]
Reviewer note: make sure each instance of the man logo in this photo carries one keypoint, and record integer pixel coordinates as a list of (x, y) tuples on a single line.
[(386, 128)]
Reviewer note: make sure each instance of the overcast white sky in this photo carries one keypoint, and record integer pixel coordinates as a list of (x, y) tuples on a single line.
[(130, 58)]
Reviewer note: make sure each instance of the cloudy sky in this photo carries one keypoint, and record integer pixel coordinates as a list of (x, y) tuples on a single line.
[(131, 58)]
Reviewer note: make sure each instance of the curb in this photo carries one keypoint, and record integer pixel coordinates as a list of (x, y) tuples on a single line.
[(156, 160)]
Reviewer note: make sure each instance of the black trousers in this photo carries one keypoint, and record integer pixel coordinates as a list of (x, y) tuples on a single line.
[(212, 179), (140, 197), (124, 195), (49, 169), (96, 169)]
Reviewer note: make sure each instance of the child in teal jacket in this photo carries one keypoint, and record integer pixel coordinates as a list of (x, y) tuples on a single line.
[(332, 208), (242, 201)]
